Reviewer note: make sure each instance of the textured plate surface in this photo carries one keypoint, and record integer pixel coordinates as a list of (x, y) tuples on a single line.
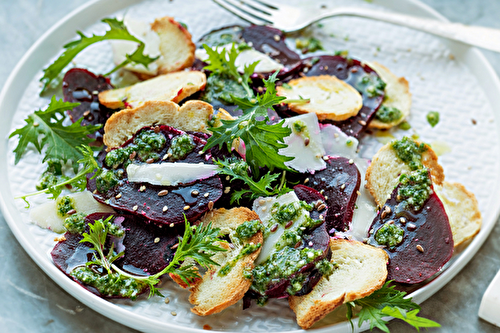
[(444, 76)]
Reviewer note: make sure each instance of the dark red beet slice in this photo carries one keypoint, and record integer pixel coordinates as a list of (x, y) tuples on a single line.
[(339, 183), (150, 204), (264, 40), (79, 85), (310, 195), (428, 228), (349, 70), (142, 255)]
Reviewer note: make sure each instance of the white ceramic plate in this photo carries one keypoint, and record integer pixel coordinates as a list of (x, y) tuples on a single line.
[(462, 89)]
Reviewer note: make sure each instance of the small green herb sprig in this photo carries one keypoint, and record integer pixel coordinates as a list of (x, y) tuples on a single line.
[(117, 31), (238, 169), (198, 242), (388, 302)]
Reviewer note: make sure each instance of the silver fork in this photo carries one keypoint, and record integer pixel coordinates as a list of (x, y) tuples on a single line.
[(289, 19)]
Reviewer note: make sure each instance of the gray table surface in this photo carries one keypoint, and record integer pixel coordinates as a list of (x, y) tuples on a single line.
[(32, 302)]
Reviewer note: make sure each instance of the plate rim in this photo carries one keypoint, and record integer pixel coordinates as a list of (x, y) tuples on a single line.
[(37, 57)]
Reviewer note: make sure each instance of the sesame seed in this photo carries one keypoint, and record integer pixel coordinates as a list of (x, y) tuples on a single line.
[(322, 191), (157, 239), (71, 212), (351, 161), (162, 193), (321, 207), (326, 197), (142, 188), (326, 68), (306, 142), (358, 193), (194, 193), (264, 208), (326, 157), (310, 244), (200, 152), (288, 224), (173, 313), (135, 207), (411, 226), (86, 113), (165, 208), (94, 191), (210, 205), (274, 228), (186, 207), (306, 180), (227, 177), (206, 195), (262, 201), (420, 248), (171, 224), (390, 222), (277, 38), (167, 300), (157, 129), (321, 217), (118, 196), (227, 189), (150, 160), (342, 186), (402, 220), (165, 157), (260, 89), (366, 240)]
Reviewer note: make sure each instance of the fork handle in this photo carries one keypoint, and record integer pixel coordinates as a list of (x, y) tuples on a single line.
[(486, 38)]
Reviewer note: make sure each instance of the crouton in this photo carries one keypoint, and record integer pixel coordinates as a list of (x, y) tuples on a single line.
[(382, 176), (176, 47), (215, 292), (169, 87), (330, 98), (397, 95), (462, 210), (191, 116), (361, 270)]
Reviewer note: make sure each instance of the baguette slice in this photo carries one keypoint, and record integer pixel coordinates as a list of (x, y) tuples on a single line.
[(122, 125), (330, 98), (169, 87), (382, 176), (214, 293), (361, 270), (462, 210), (397, 95), (176, 47)]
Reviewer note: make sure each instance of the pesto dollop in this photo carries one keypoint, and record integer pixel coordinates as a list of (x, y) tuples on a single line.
[(109, 284), (248, 229), (64, 205), (433, 118), (387, 114), (409, 152), (389, 235), (51, 176), (308, 44), (415, 188), (106, 180), (180, 146), (75, 223), (222, 87), (371, 84)]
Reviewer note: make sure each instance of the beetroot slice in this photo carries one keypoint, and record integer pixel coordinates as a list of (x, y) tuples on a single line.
[(350, 71), (149, 204), (428, 228), (79, 85), (142, 255), (339, 184)]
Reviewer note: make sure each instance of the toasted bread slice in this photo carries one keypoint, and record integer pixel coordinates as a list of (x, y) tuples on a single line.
[(214, 292), (176, 47), (330, 98), (121, 126), (397, 95), (169, 87), (382, 176), (462, 210), (361, 270)]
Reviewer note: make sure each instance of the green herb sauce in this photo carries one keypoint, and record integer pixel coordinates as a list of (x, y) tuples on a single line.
[(433, 118), (388, 114), (222, 87), (51, 176), (246, 250), (299, 126), (405, 126), (109, 284), (75, 223), (415, 188), (389, 235), (307, 45), (371, 84), (181, 146), (248, 229), (64, 205), (106, 180), (409, 152)]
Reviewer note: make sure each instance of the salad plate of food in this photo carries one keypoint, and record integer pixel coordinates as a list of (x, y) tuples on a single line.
[(178, 169)]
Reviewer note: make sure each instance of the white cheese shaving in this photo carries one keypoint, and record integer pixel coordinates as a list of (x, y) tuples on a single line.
[(170, 174)]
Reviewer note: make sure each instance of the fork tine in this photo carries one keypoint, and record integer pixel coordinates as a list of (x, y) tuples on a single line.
[(268, 3), (249, 10), (239, 12), (259, 6)]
